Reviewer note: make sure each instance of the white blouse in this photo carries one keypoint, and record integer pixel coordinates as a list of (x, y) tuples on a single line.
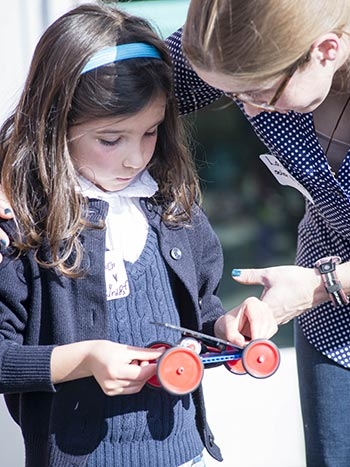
[(126, 223)]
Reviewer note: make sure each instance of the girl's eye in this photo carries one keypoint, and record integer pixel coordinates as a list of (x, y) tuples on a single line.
[(152, 133), (106, 142)]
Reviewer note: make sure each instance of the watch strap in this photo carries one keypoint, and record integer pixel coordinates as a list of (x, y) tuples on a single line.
[(327, 269)]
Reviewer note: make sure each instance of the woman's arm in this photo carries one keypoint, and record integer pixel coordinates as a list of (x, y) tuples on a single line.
[(191, 92), (292, 290)]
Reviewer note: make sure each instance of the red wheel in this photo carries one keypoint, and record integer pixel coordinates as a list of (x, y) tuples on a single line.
[(180, 370), (261, 358), (154, 381), (235, 366)]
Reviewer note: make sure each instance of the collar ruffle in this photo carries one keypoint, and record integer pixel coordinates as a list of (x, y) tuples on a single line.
[(143, 186)]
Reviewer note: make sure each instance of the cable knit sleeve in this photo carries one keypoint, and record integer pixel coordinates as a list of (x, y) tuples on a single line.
[(23, 368)]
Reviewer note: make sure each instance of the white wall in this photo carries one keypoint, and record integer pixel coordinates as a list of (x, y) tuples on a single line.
[(22, 23)]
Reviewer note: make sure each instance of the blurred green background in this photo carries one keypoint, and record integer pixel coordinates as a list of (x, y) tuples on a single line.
[(255, 218)]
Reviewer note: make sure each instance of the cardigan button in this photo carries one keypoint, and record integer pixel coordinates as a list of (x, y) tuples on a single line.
[(176, 253)]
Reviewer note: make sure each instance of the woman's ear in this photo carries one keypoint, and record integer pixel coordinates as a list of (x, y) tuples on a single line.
[(326, 47)]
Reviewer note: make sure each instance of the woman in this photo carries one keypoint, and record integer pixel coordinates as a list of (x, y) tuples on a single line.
[(279, 63)]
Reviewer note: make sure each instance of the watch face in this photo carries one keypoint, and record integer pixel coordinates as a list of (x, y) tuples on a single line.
[(325, 265)]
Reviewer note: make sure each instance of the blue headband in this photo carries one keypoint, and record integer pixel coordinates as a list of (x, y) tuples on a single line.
[(121, 52)]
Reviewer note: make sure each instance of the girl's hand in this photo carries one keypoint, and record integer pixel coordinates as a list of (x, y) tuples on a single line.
[(252, 319), (119, 369), (288, 290)]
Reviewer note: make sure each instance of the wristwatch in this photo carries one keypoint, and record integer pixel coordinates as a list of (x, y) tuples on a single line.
[(327, 269)]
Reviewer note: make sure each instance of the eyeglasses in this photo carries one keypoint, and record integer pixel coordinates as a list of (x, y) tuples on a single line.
[(270, 106)]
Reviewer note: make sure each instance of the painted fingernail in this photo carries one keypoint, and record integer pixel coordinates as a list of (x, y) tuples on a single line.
[(8, 211), (235, 272), (3, 242)]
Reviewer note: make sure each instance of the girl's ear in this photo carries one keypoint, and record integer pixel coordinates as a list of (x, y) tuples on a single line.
[(326, 47)]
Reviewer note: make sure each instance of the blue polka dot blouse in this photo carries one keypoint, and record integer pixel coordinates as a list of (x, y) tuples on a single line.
[(325, 228)]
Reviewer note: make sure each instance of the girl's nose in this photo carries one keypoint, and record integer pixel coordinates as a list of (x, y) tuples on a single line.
[(134, 158)]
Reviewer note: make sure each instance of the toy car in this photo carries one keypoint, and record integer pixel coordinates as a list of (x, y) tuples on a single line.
[(180, 368)]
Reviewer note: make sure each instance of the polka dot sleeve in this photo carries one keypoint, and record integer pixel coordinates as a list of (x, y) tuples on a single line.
[(191, 92)]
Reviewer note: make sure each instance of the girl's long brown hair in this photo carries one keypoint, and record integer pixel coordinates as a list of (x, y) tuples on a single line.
[(38, 175)]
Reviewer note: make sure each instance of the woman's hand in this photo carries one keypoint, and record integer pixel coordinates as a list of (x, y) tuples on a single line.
[(119, 369), (5, 213), (288, 290), (252, 319)]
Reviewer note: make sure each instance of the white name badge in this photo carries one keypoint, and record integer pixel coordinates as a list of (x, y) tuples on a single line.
[(282, 175), (117, 284)]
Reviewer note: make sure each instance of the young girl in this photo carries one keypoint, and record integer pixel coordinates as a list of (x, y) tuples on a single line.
[(290, 58), (108, 237)]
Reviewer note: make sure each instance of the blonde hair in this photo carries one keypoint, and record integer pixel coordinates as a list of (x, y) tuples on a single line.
[(258, 39)]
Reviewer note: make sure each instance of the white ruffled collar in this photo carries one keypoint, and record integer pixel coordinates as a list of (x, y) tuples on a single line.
[(143, 186)]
